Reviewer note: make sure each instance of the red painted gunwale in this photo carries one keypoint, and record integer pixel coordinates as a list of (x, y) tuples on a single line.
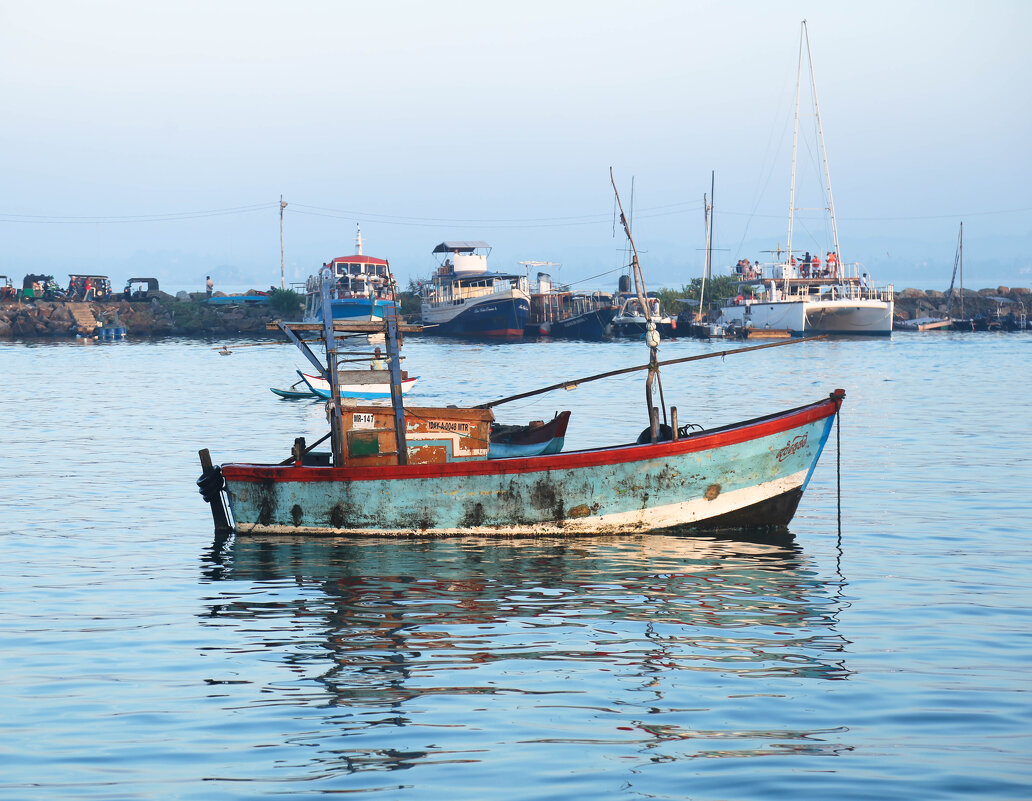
[(741, 432)]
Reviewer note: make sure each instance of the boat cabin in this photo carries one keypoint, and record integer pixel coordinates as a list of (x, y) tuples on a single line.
[(462, 276), (433, 435), (351, 277), (462, 258)]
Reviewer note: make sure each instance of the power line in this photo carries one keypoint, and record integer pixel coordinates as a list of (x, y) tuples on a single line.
[(135, 218)]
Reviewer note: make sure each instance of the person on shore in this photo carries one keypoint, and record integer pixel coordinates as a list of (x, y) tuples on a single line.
[(87, 293), (209, 285)]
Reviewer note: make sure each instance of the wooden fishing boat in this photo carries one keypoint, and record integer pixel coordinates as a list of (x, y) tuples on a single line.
[(394, 470), (535, 439), (746, 475)]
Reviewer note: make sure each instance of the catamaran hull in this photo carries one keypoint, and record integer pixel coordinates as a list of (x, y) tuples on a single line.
[(855, 317), (748, 475)]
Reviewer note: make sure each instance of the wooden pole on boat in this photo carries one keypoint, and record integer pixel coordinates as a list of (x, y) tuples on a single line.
[(336, 417), (651, 334), (572, 384), (392, 342), (210, 485)]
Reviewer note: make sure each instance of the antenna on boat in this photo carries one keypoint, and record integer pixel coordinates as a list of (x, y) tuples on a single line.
[(651, 334)]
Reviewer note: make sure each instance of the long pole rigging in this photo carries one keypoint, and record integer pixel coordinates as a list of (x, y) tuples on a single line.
[(575, 382), (651, 334)]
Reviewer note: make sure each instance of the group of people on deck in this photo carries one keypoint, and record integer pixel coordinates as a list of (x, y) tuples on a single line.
[(748, 271), (810, 266)]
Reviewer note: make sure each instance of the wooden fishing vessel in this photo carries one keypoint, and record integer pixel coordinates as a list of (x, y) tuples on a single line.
[(396, 470)]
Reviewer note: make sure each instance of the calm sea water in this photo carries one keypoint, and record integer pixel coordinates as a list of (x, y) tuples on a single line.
[(144, 660)]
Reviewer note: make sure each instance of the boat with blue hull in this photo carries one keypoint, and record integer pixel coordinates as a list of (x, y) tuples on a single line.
[(361, 287), (556, 311), (463, 299), (748, 475)]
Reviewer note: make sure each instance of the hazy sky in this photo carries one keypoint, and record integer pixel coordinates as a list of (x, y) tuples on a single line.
[(128, 124)]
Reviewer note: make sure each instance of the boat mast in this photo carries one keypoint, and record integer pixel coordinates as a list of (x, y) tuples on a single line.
[(708, 209), (282, 259), (824, 151), (358, 239), (960, 251), (795, 149), (651, 334)]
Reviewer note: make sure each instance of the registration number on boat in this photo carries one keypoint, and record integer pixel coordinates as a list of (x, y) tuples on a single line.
[(363, 420)]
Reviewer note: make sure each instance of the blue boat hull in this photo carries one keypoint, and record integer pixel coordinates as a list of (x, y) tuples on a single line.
[(590, 325), (751, 474), (355, 309), (495, 318)]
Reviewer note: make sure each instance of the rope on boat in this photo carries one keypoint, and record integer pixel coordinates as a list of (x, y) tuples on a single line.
[(838, 461), (572, 384)]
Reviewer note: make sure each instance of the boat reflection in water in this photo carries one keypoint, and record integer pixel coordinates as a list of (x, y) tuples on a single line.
[(439, 640)]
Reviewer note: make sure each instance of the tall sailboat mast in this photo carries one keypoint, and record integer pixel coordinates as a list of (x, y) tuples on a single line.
[(804, 39), (824, 152), (795, 148)]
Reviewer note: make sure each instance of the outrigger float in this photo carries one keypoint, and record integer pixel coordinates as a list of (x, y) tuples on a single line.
[(395, 471)]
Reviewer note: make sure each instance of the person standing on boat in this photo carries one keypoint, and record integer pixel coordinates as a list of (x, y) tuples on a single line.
[(863, 284), (378, 362), (209, 285)]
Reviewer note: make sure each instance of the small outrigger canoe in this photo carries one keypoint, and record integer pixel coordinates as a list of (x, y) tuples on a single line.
[(293, 394), (369, 389)]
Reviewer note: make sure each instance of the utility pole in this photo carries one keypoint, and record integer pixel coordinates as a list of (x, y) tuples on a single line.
[(282, 276)]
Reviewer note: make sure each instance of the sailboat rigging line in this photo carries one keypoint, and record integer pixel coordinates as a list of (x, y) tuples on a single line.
[(572, 384)]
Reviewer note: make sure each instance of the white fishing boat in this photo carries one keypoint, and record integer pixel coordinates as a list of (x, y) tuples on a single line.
[(799, 293)]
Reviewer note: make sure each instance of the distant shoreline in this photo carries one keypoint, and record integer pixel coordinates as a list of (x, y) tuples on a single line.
[(164, 315)]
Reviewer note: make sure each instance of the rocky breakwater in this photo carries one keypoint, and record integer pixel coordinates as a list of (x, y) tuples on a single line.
[(914, 304), (163, 316)]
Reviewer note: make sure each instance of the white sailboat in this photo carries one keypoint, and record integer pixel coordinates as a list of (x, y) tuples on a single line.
[(802, 295)]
